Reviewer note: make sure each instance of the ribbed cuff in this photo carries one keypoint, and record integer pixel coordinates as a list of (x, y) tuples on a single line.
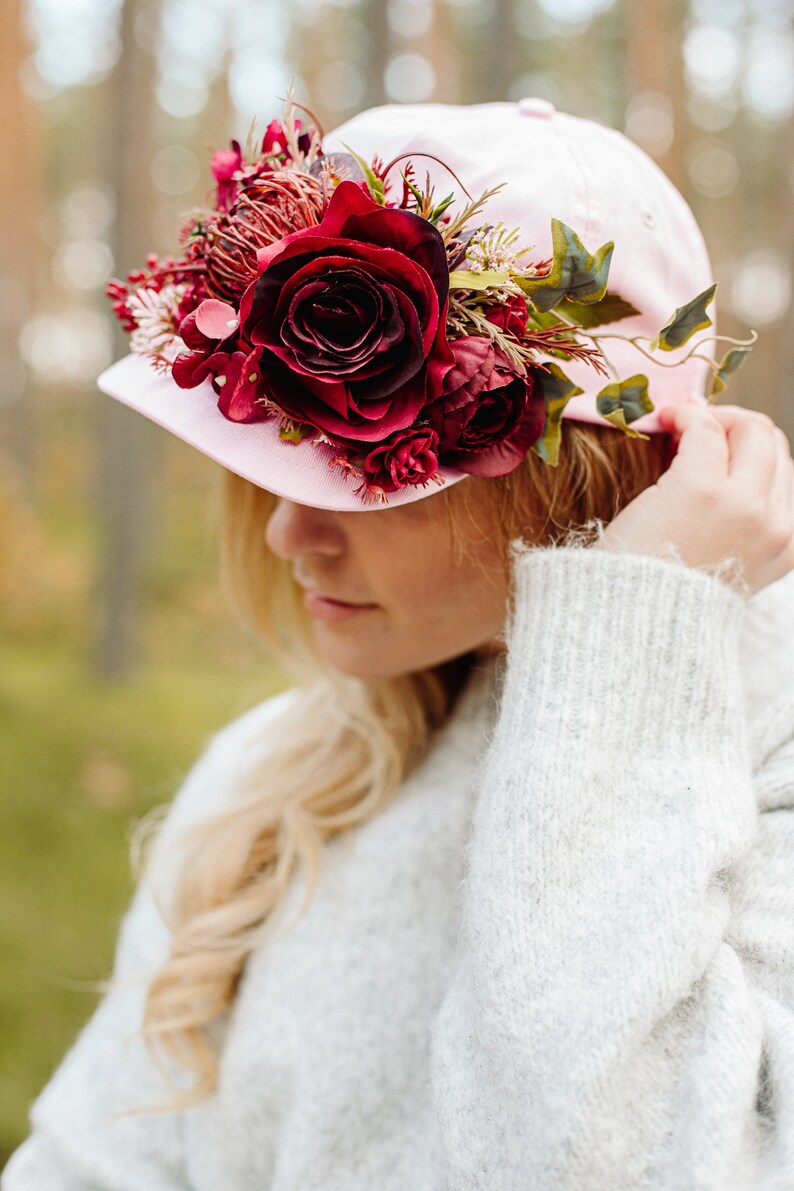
[(624, 648)]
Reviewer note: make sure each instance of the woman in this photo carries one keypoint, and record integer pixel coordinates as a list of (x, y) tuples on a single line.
[(499, 894)]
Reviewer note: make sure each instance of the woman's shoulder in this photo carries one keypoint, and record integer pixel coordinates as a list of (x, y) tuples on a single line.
[(209, 785), (247, 729)]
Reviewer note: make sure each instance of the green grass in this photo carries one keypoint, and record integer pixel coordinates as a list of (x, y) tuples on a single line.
[(79, 763), (82, 759)]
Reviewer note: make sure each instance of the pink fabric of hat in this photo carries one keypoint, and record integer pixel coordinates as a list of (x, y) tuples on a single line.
[(554, 166)]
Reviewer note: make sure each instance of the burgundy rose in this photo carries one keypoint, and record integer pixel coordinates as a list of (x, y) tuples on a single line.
[(203, 331), (511, 317), (406, 457), (489, 415), (352, 315)]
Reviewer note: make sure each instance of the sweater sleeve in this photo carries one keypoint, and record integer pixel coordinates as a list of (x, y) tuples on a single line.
[(77, 1141), (620, 1012)]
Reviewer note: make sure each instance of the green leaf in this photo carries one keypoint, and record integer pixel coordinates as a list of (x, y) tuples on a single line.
[(731, 363), (557, 392), (465, 279), (439, 210), (575, 273), (625, 401), (374, 183), (415, 191), (541, 320), (296, 434), (685, 322), (611, 309)]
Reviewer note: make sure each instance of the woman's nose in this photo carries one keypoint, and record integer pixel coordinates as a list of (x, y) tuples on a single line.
[(295, 529)]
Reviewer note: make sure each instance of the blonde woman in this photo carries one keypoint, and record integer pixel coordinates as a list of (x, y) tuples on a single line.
[(499, 893)]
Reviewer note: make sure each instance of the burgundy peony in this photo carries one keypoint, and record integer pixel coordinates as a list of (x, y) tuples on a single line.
[(406, 457), (489, 415), (352, 315)]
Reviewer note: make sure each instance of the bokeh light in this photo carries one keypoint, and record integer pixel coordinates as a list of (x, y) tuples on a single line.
[(69, 345), (713, 168), (761, 291), (409, 78), (175, 169)]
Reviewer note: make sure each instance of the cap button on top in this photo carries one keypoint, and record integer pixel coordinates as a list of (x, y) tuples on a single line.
[(542, 109)]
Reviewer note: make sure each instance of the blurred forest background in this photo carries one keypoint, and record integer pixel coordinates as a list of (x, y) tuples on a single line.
[(117, 654)]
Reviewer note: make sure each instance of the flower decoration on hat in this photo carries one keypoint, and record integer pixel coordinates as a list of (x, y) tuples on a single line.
[(400, 331)]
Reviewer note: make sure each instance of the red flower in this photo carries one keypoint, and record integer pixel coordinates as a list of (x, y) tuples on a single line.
[(406, 457), (202, 331), (275, 139), (489, 414), (354, 311), (512, 317), (236, 378)]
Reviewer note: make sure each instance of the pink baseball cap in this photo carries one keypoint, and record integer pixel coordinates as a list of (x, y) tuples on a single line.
[(554, 166)]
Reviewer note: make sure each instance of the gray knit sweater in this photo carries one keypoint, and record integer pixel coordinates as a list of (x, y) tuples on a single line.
[(561, 960)]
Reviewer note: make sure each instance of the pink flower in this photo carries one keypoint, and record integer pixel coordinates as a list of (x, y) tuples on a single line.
[(224, 165)]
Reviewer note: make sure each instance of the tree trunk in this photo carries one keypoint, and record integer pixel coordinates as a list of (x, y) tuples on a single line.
[(20, 185), (129, 444)]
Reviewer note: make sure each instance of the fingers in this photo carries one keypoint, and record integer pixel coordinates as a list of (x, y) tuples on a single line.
[(703, 449), (752, 443), (781, 495)]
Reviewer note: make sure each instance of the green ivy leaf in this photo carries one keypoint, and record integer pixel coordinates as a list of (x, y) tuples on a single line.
[(575, 273), (685, 322), (557, 392), (625, 401), (541, 320), (611, 309), (374, 183), (730, 364), (296, 435), (466, 279)]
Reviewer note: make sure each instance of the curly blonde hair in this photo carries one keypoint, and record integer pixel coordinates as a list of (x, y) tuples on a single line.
[(344, 745)]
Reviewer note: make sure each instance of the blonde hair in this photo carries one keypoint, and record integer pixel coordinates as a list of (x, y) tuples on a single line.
[(344, 745)]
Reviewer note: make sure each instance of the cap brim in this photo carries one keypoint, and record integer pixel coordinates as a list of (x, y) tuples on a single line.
[(300, 472)]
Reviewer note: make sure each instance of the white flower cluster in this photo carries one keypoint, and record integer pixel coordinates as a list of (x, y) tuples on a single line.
[(156, 314), (493, 250)]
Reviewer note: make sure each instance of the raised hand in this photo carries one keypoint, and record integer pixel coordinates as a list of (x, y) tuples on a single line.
[(729, 493)]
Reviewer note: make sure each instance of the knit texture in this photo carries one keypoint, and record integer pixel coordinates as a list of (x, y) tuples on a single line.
[(561, 960)]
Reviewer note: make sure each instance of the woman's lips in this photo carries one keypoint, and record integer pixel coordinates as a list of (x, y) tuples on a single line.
[(326, 608)]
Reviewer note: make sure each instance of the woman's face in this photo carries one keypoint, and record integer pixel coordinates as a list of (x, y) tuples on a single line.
[(426, 602)]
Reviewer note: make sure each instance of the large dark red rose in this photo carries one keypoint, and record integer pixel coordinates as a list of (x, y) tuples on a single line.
[(489, 415), (406, 457), (352, 315)]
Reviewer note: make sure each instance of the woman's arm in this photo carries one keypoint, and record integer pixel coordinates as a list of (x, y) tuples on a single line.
[(606, 1026)]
